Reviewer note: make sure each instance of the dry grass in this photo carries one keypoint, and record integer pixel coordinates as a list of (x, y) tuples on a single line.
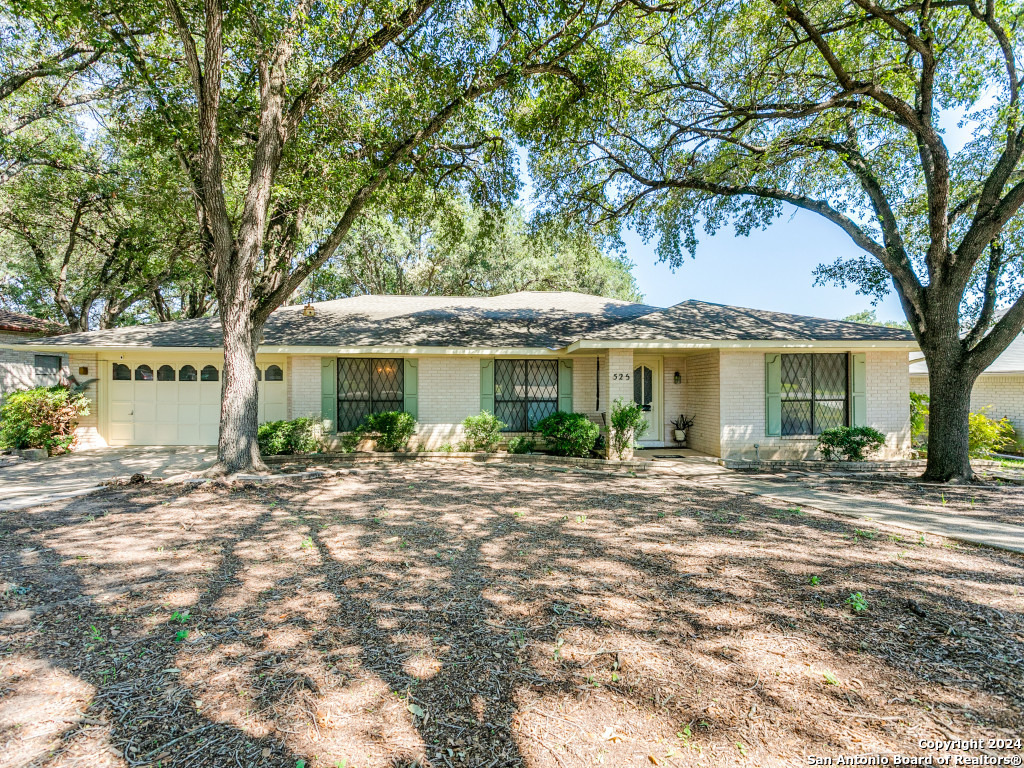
[(490, 616)]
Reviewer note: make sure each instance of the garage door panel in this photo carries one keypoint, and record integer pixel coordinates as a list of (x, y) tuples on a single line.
[(154, 412), (145, 411)]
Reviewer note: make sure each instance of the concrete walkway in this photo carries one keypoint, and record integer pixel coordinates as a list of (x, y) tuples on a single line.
[(973, 530), (28, 483)]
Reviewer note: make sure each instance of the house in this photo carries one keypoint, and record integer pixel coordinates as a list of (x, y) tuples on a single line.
[(24, 368), (1000, 387), (758, 383)]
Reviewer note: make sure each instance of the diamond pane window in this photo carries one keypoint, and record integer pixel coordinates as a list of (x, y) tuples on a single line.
[(368, 385), (815, 393), (525, 391)]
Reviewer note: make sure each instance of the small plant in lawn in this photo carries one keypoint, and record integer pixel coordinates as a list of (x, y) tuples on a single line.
[(814, 581), (180, 617), (857, 602), (521, 444), (95, 636), (483, 432), (830, 679), (849, 443), (307, 543), (581, 518), (568, 434), (181, 635)]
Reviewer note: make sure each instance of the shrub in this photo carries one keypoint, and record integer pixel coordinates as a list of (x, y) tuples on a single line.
[(521, 444), (483, 432), (918, 416), (985, 436), (849, 443), (391, 429), (285, 437), (628, 425), (568, 434), (44, 417), (446, 448)]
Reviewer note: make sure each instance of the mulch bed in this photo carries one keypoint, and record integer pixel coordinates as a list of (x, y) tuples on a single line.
[(489, 616)]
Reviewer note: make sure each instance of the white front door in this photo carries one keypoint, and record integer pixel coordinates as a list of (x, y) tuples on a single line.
[(647, 394)]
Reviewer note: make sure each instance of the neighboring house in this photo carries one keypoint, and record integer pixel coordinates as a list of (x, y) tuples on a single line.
[(24, 368), (749, 377), (1000, 387)]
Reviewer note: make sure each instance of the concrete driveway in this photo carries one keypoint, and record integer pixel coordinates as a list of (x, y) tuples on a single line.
[(35, 482)]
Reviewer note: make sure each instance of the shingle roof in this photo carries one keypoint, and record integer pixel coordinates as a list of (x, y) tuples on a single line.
[(695, 319), (526, 319), (19, 323)]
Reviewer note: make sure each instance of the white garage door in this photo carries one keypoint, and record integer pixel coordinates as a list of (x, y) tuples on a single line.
[(161, 403)]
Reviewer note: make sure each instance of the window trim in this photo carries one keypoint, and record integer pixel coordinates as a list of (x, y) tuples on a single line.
[(813, 399), (526, 400), (339, 399)]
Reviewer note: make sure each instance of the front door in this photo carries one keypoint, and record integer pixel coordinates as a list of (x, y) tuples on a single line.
[(647, 394)]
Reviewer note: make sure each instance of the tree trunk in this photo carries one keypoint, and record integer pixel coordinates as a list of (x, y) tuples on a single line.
[(949, 406), (237, 450)]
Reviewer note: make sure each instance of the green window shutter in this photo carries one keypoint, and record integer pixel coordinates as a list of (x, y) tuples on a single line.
[(329, 392), (487, 386), (773, 395), (412, 387), (858, 390), (565, 385)]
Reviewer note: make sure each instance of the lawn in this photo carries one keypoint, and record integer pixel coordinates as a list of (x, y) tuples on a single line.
[(490, 616)]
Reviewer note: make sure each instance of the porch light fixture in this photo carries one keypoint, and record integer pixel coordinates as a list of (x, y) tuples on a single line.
[(309, 310), (676, 378)]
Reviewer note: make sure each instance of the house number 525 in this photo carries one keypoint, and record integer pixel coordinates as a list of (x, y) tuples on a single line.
[(620, 377)]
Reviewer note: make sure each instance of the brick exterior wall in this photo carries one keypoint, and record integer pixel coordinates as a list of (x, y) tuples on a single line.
[(702, 400), (743, 408), (449, 391), (673, 399), (584, 389), (303, 375), (1002, 394)]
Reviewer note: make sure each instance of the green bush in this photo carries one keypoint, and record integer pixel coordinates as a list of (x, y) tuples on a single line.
[(44, 417), (391, 429), (849, 443), (304, 435), (628, 425), (521, 444), (918, 417), (483, 432), (568, 434), (987, 436)]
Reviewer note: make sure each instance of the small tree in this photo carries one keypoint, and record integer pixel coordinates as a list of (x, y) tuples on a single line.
[(628, 426)]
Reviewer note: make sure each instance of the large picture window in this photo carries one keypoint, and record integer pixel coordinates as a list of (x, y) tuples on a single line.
[(368, 385), (815, 393), (525, 391)]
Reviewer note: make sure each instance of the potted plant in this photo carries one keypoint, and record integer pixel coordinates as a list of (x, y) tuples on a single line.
[(679, 427)]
